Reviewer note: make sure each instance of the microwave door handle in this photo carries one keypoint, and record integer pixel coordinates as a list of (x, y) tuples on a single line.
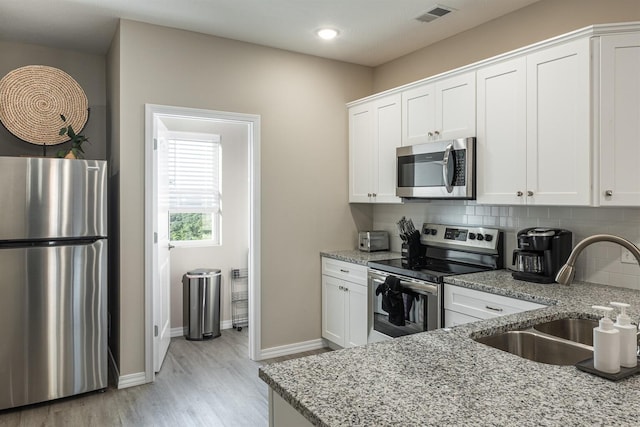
[(447, 170)]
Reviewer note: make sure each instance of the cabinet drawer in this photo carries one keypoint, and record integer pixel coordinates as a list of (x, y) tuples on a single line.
[(483, 305), (344, 270)]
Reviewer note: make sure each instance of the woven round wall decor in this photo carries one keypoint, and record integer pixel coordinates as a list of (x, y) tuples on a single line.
[(32, 99)]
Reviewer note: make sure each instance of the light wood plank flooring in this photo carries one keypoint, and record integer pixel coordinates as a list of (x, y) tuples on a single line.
[(202, 383)]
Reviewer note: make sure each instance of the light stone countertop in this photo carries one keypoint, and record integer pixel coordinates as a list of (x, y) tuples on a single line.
[(359, 257), (443, 377)]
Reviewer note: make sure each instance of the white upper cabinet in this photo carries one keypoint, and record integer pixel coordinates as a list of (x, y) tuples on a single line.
[(502, 133), (441, 110), (619, 120), (559, 125), (374, 135), (534, 138)]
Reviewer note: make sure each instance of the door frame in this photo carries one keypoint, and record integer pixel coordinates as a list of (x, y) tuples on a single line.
[(253, 121)]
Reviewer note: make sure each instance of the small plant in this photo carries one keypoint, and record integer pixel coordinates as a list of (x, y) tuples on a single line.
[(76, 150)]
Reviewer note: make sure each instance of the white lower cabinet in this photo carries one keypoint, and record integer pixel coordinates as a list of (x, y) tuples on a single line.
[(344, 303), (463, 305)]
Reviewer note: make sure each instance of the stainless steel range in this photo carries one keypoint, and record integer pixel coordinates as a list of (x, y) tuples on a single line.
[(405, 296)]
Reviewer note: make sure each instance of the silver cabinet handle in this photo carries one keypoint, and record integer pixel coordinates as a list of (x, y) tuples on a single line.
[(171, 246), (529, 193), (368, 194), (341, 287), (374, 194), (344, 271), (493, 308), (608, 193), (430, 133), (344, 288), (448, 170), (519, 194), (437, 133)]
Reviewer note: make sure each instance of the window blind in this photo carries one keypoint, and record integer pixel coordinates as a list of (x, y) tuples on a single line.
[(194, 176)]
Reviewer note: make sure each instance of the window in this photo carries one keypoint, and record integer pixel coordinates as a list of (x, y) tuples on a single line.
[(194, 189)]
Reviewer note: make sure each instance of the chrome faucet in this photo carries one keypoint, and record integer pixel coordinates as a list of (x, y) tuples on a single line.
[(566, 273)]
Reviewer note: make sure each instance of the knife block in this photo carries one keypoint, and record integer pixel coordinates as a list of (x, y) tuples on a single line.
[(412, 253)]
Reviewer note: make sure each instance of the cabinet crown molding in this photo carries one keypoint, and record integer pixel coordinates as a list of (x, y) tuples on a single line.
[(595, 30)]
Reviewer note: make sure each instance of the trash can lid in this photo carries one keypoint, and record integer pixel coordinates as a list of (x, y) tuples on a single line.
[(204, 272)]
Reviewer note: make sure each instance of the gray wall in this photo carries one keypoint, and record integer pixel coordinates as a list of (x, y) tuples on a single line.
[(301, 101), (88, 70)]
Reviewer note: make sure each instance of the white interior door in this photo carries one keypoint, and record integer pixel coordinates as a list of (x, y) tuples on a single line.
[(161, 270)]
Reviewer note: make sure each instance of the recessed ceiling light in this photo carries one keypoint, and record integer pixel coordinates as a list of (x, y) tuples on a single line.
[(327, 33)]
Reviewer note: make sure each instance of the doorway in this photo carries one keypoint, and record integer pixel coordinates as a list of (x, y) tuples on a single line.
[(161, 123)]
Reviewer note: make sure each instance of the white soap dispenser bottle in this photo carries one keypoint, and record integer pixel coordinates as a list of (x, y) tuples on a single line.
[(606, 344), (628, 339)]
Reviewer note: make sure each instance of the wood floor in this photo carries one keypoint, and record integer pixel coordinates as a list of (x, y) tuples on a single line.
[(202, 383)]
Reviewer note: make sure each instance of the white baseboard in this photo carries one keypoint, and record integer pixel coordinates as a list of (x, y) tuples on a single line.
[(285, 350), (179, 331), (131, 380)]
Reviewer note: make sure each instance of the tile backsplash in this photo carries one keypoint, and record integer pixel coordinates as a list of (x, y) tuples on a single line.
[(599, 263)]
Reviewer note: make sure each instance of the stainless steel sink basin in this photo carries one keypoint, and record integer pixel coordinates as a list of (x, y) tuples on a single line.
[(539, 347), (577, 330)]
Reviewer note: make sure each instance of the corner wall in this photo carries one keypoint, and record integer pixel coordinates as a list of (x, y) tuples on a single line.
[(304, 149)]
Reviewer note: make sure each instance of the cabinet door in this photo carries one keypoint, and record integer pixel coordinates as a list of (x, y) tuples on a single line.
[(333, 310), (360, 153), (453, 318), (418, 114), (502, 133), (558, 125), (620, 120), (357, 322), (387, 123), (456, 107)]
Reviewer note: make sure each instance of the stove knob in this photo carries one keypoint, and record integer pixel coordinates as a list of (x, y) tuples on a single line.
[(488, 237), (434, 231), (480, 237), (472, 236)]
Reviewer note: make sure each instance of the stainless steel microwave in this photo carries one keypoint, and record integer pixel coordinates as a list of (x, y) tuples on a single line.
[(437, 170)]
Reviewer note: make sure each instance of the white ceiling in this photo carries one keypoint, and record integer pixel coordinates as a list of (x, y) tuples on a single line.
[(372, 32)]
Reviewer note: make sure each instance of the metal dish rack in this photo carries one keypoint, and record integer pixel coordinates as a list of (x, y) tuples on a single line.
[(239, 298)]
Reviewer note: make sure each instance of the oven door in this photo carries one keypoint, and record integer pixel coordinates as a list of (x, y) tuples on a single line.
[(421, 301), (437, 170)]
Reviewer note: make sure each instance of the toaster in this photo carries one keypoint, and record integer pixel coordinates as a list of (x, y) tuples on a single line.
[(371, 241)]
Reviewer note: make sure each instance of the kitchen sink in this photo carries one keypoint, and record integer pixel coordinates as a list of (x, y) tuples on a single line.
[(538, 347), (558, 342), (577, 330)]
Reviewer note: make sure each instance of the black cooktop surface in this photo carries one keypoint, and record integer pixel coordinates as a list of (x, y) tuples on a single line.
[(431, 270)]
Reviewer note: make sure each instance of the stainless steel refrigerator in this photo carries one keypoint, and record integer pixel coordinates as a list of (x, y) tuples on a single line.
[(53, 278)]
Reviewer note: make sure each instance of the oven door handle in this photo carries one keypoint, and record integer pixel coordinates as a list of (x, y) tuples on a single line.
[(417, 287), (420, 288), (448, 168)]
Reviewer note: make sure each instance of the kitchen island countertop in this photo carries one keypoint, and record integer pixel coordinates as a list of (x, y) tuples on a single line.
[(444, 377)]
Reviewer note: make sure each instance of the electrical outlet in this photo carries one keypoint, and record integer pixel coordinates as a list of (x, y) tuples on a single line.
[(627, 258)]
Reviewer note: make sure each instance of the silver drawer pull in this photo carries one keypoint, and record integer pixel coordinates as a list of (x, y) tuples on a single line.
[(492, 308), (343, 270)]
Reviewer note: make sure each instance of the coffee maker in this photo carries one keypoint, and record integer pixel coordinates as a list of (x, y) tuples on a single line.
[(540, 254)]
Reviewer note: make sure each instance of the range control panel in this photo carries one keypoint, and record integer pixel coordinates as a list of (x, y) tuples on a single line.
[(460, 237)]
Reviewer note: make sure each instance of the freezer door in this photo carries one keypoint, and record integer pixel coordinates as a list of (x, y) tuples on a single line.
[(53, 321), (52, 198)]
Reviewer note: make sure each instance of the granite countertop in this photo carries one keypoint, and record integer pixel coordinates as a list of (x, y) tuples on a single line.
[(358, 257), (444, 377)]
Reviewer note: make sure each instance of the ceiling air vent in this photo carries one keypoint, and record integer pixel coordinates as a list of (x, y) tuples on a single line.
[(436, 12)]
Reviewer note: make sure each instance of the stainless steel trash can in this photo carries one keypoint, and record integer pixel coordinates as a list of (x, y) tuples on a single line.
[(201, 303)]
